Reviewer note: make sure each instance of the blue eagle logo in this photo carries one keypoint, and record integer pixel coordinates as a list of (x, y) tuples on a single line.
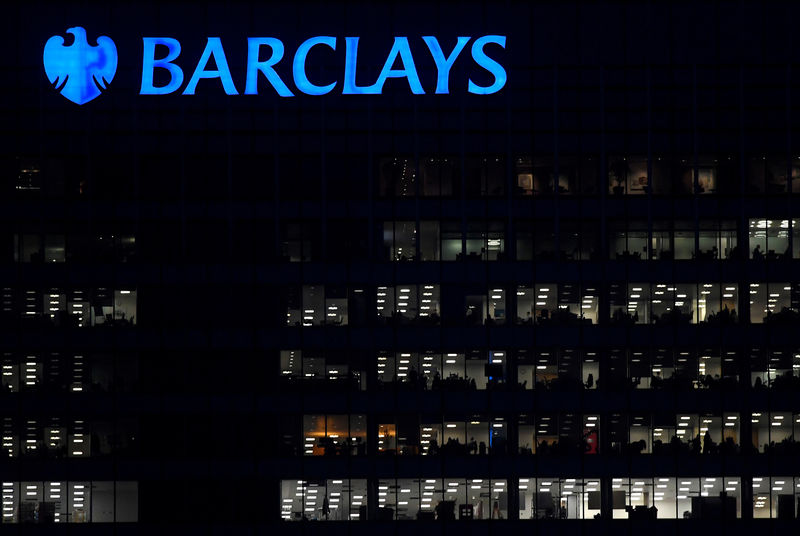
[(80, 71)]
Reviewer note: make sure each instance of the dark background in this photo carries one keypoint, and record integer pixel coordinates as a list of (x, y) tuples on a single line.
[(205, 181)]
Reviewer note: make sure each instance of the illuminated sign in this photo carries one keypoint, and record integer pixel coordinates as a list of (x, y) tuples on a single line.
[(80, 71), (92, 68)]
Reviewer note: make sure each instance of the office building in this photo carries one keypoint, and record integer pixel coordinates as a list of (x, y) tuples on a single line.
[(347, 268)]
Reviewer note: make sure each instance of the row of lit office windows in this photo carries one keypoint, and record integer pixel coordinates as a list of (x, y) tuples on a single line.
[(69, 502), (430, 240), (561, 498), (545, 304), (313, 305), (59, 372), (571, 175), (476, 176), (566, 369), (65, 438), (548, 433), (348, 499), (75, 307)]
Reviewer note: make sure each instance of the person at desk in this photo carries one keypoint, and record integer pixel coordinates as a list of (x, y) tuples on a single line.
[(496, 511), (436, 382), (590, 381), (544, 316), (757, 253), (696, 444), (413, 378), (326, 508), (709, 447)]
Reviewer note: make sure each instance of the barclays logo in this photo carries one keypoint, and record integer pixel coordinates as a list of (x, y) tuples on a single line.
[(80, 71)]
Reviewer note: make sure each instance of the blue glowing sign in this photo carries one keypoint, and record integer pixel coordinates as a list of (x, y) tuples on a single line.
[(443, 64), (299, 66), (489, 64), (80, 71), (400, 53), (150, 64), (213, 49), (254, 66)]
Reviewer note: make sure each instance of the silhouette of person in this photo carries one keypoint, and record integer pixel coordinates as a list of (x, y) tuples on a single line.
[(696, 444), (326, 508), (496, 511), (708, 443)]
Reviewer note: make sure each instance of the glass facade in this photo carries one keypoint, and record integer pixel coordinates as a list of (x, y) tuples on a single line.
[(566, 306), (69, 502)]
